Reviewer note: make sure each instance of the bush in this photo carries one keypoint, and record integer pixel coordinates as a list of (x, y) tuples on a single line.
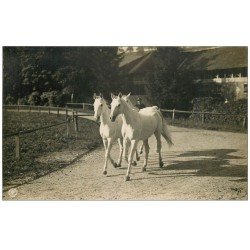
[(208, 104)]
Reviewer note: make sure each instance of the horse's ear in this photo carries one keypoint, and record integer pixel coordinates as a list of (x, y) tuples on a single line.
[(101, 95), (112, 96), (94, 96), (120, 95), (128, 95)]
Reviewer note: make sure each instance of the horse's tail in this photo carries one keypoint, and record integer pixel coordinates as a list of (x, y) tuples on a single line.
[(165, 132)]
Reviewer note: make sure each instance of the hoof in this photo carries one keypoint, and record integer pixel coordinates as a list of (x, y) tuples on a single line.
[(104, 172), (138, 158), (127, 178), (143, 169), (134, 163), (161, 164), (119, 165), (115, 165)]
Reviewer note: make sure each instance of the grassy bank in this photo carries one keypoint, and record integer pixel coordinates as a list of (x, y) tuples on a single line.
[(43, 151)]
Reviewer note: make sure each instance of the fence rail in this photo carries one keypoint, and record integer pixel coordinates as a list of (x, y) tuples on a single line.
[(18, 134), (203, 114)]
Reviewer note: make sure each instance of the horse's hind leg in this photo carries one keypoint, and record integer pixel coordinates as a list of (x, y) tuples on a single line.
[(158, 139), (120, 141), (137, 155), (146, 146), (140, 152), (141, 149)]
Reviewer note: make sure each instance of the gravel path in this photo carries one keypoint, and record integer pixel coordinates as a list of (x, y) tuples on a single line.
[(202, 165)]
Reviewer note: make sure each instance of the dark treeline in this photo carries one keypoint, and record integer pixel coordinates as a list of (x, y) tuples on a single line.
[(50, 75)]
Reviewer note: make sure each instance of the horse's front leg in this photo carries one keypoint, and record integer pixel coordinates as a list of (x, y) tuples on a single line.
[(120, 141), (126, 144), (105, 143), (130, 158), (108, 146), (110, 143), (125, 149)]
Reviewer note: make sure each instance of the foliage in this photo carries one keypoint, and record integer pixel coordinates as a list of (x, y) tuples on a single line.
[(169, 88), (234, 110), (50, 75)]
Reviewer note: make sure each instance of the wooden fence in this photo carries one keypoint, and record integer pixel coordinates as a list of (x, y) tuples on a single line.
[(75, 114), (18, 134), (40, 109)]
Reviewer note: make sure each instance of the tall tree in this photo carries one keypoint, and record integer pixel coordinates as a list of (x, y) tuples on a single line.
[(169, 88)]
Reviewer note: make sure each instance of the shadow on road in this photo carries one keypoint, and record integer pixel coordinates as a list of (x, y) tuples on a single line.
[(208, 163)]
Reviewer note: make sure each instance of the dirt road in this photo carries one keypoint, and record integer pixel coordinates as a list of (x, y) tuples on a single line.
[(202, 165)]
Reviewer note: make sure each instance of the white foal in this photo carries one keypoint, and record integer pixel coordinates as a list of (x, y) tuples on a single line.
[(109, 131), (139, 126)]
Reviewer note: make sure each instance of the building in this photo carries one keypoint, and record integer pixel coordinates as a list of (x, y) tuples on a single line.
[(134, 68), (210, 66), (218, 66)]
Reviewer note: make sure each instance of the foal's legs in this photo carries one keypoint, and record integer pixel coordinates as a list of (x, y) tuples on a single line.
[(146, 146), (130, 158)]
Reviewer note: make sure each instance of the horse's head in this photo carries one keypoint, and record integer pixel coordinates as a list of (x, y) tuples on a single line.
[(116, 106), (98, 106), (126, 98)]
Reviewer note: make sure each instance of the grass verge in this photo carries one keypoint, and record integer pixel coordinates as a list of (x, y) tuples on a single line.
[(43, 151)]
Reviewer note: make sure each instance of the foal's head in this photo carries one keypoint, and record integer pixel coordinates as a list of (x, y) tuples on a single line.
[(117, 105), (98, 106)]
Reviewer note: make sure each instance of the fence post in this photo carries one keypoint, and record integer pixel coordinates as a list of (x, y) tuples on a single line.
[(202, 118), (49, 110), (67, 124), (244, 122), (30, 109), (39, 109), (66, 113), (18, 108), (73, 116), (76, 123), (173, 115), (58, 112), (17, 142)]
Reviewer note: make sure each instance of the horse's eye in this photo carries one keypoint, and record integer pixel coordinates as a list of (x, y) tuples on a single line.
[(119, 105), (101, 105)]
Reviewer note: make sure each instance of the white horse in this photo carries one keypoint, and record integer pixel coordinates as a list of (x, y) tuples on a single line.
[(139, 126), (109, 131), (126, 98)]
